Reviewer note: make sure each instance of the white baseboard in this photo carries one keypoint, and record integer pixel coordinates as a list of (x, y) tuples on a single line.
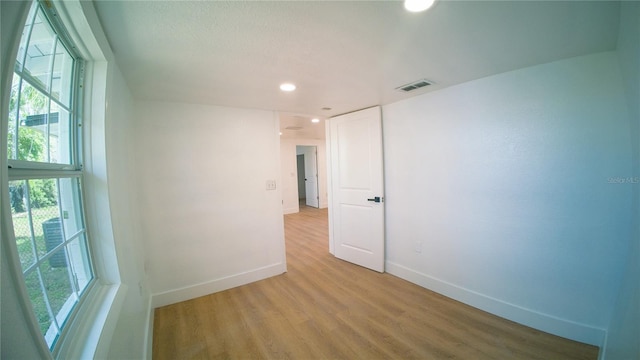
[(148, 336), (210, 287), (292, 210), (548, 323), (603, 349)]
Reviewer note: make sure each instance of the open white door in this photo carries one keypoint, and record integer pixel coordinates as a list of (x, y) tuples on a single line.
[(356, 199), (311, 176)]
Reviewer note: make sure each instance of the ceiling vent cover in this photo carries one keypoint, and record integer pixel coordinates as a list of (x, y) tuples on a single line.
[(415, 85)]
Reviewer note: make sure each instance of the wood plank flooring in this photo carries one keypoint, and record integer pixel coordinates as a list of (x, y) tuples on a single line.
[(325, 308)]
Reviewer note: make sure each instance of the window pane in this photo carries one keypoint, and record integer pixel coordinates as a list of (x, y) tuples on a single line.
[(21, 224), (36, 218), (48, 231), (37, 125), (41, 50), (62, 75), (35, 221), (57, 283), (43, 201), (78, 254), (59, 135), (70, 206), (25, 35), (77, 250), (39, 303), (33, 124), (13, 116), (47, 213)]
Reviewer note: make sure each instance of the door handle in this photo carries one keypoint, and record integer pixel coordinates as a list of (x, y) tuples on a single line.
[(375, 199)]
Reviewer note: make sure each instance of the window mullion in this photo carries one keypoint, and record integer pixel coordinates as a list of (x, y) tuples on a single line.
[(47, 133), (76, 132), (35, 84), (78, 233), (61, 105), (16, 127), (25, 76), (44, 258), (70, 270), (49, 86)]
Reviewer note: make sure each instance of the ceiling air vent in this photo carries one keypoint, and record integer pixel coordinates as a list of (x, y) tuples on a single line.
[(414, 85)]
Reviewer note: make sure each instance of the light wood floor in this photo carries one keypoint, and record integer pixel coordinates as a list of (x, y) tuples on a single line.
[(325, 308)]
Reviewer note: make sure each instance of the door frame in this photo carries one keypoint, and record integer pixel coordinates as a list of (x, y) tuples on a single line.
[(289, 174), (330, 179), (314, 166)]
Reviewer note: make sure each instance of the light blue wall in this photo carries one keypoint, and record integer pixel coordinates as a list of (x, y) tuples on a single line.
[(504, 183), (624, 331)]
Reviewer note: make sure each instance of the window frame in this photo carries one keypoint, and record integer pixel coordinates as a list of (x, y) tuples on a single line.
[(75, 103), (22, 170)]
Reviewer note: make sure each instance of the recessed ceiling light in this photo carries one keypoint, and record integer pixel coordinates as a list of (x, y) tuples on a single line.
[(315, 120), (287, 87), (418, 5)]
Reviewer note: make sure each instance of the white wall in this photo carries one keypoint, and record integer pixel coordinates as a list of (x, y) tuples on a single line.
[(132, 330), (110, 193), (288, 168), (208, 221), (624, 330), (504, 182)]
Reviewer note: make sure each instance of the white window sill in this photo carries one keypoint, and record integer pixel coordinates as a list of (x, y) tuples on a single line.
[(89, 336)]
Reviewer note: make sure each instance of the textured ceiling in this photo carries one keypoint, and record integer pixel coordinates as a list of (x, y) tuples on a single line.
[(342, 55)]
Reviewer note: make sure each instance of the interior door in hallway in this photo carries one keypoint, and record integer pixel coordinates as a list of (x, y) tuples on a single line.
[(357, 199), (311, 176)]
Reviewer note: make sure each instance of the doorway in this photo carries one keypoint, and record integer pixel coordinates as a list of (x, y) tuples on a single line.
[(307, 169)]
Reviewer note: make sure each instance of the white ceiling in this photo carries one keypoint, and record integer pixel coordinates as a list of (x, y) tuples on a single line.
[(344, 55)]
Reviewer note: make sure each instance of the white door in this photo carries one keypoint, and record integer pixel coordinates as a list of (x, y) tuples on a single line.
[(311, 176), (357, 199)]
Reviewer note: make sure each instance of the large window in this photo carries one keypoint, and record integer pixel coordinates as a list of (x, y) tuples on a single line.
[(45, 173)]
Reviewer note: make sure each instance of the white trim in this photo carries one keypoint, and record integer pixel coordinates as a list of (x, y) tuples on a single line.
[(35, 165), (210, 287), (90, 335), (330, 201), (603, 348), (548, 323), (148, 333), (292, 210)]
